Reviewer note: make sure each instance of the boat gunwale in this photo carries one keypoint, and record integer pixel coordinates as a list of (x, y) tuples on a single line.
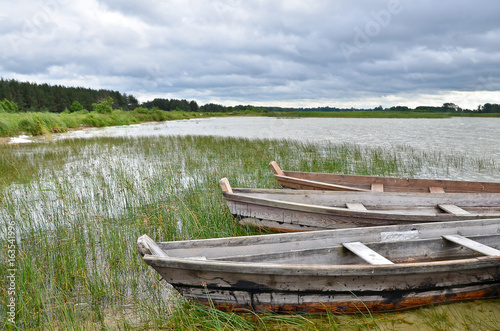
[(322, 270), (290, 173), (336, 187)]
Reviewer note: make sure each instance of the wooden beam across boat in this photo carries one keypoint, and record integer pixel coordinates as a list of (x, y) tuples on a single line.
[(357, 270), (452, 209), (340, 182), (366, 253), (307, 210), (471, 244)]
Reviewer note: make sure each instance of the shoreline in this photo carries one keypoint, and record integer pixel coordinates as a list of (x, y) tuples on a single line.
[(285, 115)]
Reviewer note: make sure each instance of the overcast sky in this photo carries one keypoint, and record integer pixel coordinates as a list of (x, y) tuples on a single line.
[(285, 53)]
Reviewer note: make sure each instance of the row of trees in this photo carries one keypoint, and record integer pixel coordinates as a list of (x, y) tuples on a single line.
[(26, 96), (446, 107), (172, 104), (32, 97), (175, 104), (489, 108), (56, 98)]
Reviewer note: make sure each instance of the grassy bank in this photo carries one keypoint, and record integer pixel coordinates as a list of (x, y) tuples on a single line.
[(78, 207), (36, 124)]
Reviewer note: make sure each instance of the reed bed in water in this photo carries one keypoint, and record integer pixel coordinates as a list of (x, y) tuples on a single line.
[(78, 207)]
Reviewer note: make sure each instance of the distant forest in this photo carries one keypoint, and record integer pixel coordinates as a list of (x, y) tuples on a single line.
[(18, 96), (31, 97)]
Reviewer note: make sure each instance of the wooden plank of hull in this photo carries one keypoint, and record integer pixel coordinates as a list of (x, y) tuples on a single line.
[(300, 277), (386, 290), (338, 303), (279, 227), (335, 182)]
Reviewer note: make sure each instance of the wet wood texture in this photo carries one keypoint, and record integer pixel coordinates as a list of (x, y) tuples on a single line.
[(338, 182), (315, 272)]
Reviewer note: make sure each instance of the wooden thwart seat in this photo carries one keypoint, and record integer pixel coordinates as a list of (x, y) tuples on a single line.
[(355, 206), (452, 209), (376, 187), (366, 253), (436, 189), (471, 244)]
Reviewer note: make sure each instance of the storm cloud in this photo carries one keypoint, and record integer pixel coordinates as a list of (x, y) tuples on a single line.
[(283, 53)]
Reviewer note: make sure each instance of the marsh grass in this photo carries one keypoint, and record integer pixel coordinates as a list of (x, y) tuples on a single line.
[(44, 123), (80, 205)]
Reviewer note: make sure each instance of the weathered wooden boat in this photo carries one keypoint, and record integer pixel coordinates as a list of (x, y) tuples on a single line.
[(337, 182), (302, 210), (373, 269)]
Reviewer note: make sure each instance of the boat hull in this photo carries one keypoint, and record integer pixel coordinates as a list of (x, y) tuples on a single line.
[(299, 210), (362, 290), (340, 182), (315, 272), (337, 303)]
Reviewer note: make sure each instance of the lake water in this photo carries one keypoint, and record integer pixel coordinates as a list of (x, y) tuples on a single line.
[(475, 137)]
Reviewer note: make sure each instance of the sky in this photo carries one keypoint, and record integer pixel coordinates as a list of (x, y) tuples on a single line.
[(286, 53)]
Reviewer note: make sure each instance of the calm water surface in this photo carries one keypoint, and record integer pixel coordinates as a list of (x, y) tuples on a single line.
[(476, 137)]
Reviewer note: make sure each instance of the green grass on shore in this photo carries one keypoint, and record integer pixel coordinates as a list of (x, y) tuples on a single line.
[(37, 124), (78, 207)]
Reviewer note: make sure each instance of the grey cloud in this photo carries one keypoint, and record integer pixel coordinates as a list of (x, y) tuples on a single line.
[(255, 50)]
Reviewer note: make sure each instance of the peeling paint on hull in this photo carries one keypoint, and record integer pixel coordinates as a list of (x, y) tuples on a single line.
[(355, 305)]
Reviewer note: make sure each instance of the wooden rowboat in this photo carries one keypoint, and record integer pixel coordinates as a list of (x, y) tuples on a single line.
[(302, 210), (336, 182), (374, 269)]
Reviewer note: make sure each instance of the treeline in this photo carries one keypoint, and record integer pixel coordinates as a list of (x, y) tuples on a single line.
[(489, 108), (451, 107), (18, 96), (183, 105), (446, 108), (33, 97)]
